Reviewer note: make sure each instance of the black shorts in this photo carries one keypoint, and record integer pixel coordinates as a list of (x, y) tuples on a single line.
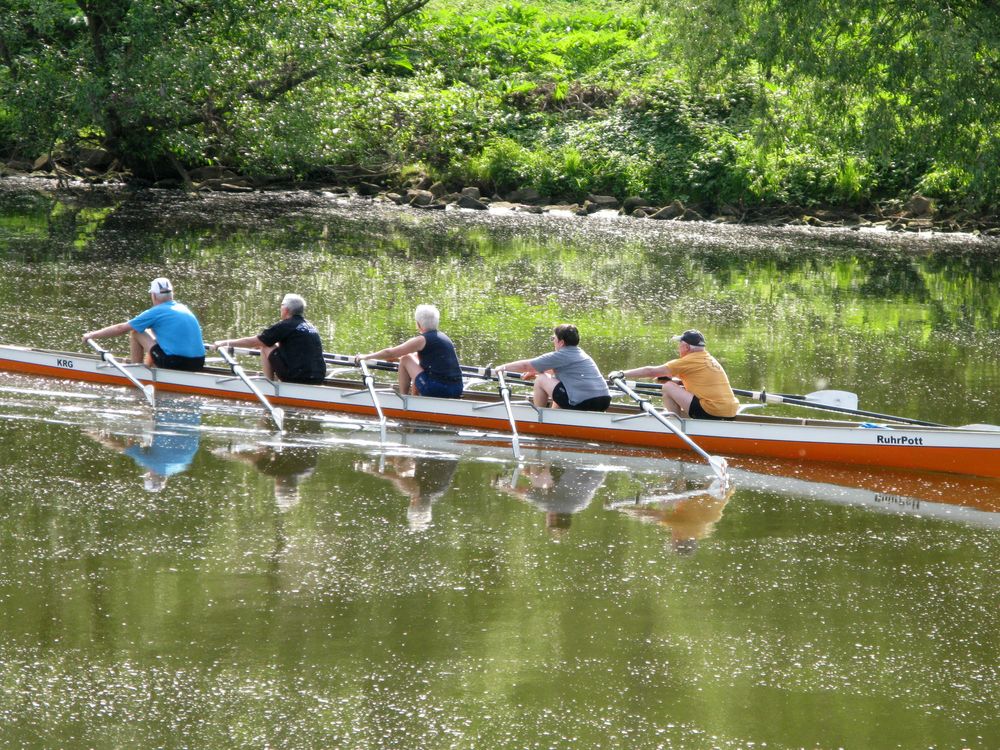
[(174, 361), (281, 370), (697, 411), (597, 403)]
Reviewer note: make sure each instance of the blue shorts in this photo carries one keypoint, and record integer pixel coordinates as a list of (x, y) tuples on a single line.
[(427, 386)]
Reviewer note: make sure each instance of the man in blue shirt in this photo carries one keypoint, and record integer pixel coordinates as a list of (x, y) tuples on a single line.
[(166, 335)]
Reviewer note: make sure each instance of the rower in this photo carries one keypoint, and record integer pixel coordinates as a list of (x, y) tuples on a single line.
[(166, 335), (291, 349), (428, 363), (566, 376), (704, 391)]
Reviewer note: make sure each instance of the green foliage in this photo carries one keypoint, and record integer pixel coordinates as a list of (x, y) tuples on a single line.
[(711, 101), (948, 183), (907, 83), (504, 164), (200, 81)]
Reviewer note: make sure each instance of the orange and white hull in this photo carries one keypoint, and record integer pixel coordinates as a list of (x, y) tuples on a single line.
[(957, 450)]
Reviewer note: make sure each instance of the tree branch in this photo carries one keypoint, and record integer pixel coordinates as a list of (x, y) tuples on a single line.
[(5, 55), (390, 19)]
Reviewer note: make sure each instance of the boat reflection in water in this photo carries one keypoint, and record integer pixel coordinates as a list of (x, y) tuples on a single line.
[(288, 463), (559, 490), (689, 515), (165, 448), (421, 479)]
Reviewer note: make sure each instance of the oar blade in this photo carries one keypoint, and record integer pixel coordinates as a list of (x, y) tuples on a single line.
[(721, 468), (278, 415), (841, 399), (149, 392)]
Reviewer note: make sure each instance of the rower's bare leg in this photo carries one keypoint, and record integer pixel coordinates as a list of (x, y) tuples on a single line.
[(541, 394), (139, 345), (677, 398), (265, 362), (409, 368)]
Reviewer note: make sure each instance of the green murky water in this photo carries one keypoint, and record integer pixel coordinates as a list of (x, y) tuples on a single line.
[(191, 579)]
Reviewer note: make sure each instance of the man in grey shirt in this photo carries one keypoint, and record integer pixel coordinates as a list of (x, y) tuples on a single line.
[(574, 382)]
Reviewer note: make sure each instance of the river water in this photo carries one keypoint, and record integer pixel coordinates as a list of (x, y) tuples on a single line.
[(189, 578)]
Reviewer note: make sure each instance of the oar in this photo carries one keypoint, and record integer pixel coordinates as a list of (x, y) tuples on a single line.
[(106, 356), (718, 464), (276, 414), (505, 395), (774, 398), (817, 400), (370, 385)]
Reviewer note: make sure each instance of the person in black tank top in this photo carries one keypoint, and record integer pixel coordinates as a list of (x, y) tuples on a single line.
[(428, 364)]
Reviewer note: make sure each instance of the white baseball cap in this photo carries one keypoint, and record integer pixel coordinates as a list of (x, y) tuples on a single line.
[(160, 286)]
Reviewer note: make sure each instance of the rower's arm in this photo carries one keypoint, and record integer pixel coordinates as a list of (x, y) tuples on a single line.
[(521, 365), (395, 352), (108, 332), (651, 371), (247, 342)]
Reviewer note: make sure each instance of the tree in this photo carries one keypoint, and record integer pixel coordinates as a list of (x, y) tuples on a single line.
[(901, 76), (155, 81)]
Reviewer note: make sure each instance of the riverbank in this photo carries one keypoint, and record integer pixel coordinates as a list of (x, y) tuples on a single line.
[(917, 215)]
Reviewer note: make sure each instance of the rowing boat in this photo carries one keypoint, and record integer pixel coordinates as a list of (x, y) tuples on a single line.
[(972, 450)]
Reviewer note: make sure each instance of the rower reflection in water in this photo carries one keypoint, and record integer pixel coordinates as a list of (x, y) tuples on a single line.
[(690, 515), (287, 464), (422, 479), (559, 491), (167, 450)]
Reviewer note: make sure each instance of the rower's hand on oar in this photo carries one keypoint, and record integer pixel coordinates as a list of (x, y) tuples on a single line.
[(220, 344), (616, 375)]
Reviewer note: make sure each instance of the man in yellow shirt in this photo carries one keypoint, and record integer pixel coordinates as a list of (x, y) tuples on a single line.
[(704, 391)]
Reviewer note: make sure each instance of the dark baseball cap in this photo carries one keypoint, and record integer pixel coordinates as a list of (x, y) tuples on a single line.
[(691, 337)]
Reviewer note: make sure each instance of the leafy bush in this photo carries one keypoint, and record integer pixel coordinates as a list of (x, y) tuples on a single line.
[(948, 183)]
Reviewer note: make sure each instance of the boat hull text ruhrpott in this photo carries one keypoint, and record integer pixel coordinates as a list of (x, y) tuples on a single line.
[(947, 449)]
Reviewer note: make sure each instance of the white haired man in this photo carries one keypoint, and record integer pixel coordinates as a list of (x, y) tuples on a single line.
[(291, 349), (704, 391), (428, 364), (166, 335)]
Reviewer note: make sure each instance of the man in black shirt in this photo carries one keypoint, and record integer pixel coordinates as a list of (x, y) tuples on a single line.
[(291, 349)]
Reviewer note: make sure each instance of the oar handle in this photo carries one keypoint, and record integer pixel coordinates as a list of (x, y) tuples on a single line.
[(349, 360)]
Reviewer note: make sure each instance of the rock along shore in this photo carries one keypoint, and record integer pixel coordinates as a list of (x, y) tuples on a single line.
[(917, 214)]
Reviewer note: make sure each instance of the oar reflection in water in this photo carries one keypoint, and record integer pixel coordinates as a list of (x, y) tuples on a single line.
[(165, 450), (689, 515), (560, 491), (422, 479)]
